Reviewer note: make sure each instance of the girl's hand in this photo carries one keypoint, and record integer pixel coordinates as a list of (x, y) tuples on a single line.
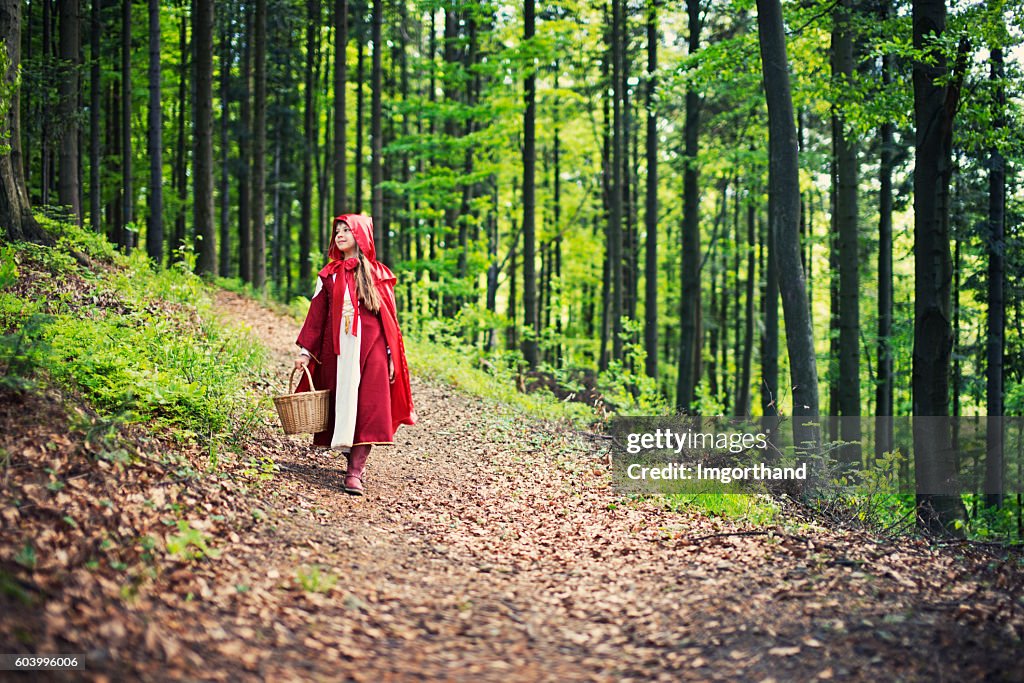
[(391, 370), (301, 362)]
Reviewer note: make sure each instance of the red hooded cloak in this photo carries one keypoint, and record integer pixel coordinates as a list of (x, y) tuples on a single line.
[(319, 319)]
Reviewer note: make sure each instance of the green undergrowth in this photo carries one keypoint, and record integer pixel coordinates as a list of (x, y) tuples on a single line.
[(139, 344), (755, 509), (478, 375)]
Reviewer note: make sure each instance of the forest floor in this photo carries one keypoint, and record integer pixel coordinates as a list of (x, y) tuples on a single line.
[(491, 547)]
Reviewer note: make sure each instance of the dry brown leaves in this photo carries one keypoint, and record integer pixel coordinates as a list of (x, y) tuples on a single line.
[(488, 548)]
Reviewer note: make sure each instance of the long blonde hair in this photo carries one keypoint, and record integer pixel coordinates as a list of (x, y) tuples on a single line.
[(365, 288)]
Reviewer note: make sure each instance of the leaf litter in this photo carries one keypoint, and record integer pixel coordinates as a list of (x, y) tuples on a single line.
[(489, 547)]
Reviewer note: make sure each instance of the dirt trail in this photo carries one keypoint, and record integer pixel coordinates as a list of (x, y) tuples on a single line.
[(490, 547)]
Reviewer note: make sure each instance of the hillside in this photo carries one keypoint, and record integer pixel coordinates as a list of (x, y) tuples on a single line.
[(183, 537)]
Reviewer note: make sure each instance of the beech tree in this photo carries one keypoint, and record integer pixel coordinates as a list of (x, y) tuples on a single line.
[(16, 217), (846, 229), (784, 208), (529, 203), (67, 187), (935, 104), (651, 207), (155, 138), (690, 299), (259, 156), (126, 229), (202, 39)]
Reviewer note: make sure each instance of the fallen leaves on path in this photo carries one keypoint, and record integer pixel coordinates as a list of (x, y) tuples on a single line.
[(489, 547)]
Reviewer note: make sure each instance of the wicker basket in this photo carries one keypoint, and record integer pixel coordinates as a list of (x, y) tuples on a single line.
[(305, 412)]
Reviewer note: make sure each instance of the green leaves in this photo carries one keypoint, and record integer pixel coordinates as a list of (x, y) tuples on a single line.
[(137, 343), (315, 579), (190, 543)]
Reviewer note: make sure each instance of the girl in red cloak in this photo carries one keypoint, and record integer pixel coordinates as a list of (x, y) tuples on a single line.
[(351, 336)]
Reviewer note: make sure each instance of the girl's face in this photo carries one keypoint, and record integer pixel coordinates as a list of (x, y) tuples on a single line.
[(345, 241)]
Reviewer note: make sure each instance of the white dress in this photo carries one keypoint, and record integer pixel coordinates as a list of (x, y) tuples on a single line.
[(347, 394)]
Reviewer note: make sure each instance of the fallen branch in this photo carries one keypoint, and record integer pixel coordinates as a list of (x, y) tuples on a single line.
[(731, 533)]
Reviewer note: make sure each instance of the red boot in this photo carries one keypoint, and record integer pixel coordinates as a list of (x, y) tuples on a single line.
[(354, 474)]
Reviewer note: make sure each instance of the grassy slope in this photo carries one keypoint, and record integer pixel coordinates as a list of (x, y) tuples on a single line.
[(123, 406)]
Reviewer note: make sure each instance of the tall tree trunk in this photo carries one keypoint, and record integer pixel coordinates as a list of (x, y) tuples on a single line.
[(202, 154), (939, 506), (340, 170), (466, 211), (452, 92), (651, 207), (376, 132), (323, 165), (543, 280), (43, 112), (360, 142), (606, 190), (16, 220), (128, 193), (95, 147), (530, 321), (737, 319), (492, 268), (25, 139), (994, 462), (714, 327), (618, 37), (742, 407), (629, 255), (690, 296), (309, 149), (884, 383), (845, 188), (245, 254), (70, 30), (958, 228), (225, 146), (114, 232), (832, 424), (275, 262), (259, 151), (557, 221), (512, 334), (155, 222), (770, 338), (784, 200), (179, 175)]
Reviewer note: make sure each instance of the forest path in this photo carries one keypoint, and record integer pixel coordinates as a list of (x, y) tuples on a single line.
[(490, 547)]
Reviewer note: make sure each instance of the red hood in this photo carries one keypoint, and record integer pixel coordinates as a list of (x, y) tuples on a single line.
[(362, 231), (402, 411)]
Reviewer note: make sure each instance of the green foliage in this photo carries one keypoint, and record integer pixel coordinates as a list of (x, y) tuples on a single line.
[(21, 352), (315, 579), (625, 384), (26, 557), (755, 509), (11, 587), (993, 524), (8, 266), (874, 497), (260, 469), (190, 543), (489, 375), (136, 343), (7, 92)]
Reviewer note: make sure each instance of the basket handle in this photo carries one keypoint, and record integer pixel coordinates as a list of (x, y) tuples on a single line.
[(291, 379)]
